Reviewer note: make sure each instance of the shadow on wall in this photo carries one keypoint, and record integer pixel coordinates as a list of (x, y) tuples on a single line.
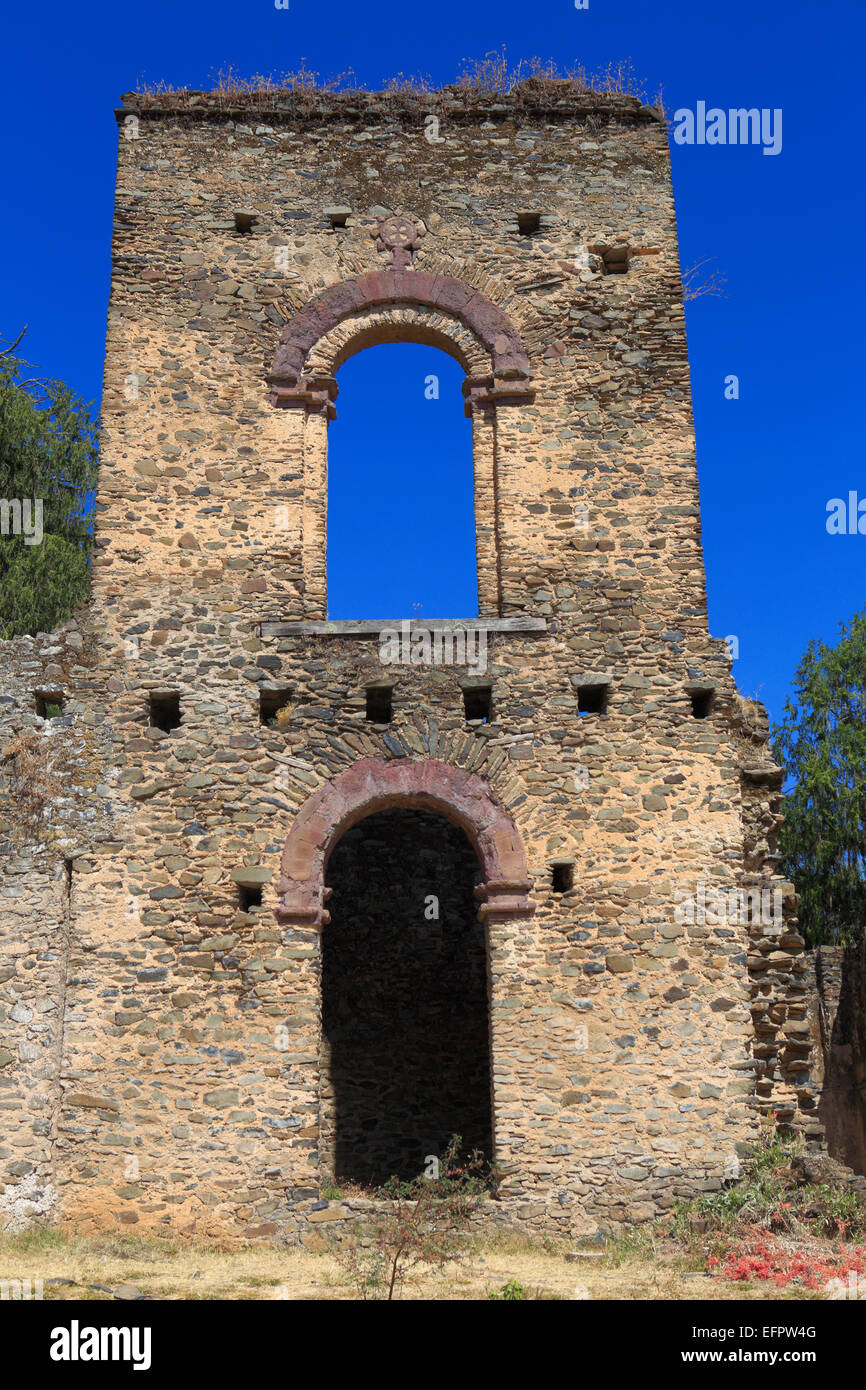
[(840, 978)]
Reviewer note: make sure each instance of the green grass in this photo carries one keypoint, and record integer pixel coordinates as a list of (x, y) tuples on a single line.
[(36, 1241), (766, 1196)]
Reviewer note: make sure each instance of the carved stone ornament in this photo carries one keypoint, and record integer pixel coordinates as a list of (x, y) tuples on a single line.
[(399, 234)]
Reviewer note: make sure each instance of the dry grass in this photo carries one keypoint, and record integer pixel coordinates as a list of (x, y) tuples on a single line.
[(186, 1271), (527, 79), (494, 73), (33, 785)]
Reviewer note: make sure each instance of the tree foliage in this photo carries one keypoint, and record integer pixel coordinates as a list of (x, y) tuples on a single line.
[(821, 743), (48, 452)]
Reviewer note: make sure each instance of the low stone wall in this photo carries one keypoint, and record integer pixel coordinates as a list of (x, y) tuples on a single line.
[(33, 966)]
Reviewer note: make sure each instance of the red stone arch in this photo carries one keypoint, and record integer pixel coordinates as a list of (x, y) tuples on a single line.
[(508, 379), (372, 785)]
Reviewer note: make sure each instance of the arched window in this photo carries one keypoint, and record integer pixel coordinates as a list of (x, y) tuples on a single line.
[(401, 507), (403, 308)]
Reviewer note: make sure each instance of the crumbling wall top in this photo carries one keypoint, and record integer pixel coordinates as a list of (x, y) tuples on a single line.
[(550, 99)]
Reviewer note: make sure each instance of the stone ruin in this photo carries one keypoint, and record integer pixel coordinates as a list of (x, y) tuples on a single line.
[(275, 916)]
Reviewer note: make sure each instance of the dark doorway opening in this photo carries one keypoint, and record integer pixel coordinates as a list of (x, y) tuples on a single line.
[(406, 1062)]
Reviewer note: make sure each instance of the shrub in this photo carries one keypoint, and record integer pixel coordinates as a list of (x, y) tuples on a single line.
[(423, 1222), (509, 1292)]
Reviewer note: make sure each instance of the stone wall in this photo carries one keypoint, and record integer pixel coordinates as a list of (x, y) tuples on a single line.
[(626, 1068), (836, 983)]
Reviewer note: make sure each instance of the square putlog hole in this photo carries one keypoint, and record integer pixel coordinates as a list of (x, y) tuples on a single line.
[(478, 702), (249, 896), (163, 708), (563, 878), (49, 703), (616, 260), (274, 707), (702, 703), (592, 699), (528, 223), (379, 704)]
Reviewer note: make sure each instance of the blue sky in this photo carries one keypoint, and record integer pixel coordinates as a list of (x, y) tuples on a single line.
[(400, 481), (783, 230)]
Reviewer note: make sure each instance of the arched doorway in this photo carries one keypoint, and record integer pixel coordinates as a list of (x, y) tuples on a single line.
[(483, 858), (405, 1059)]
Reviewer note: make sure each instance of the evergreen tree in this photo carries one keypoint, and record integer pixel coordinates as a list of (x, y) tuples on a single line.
[(48, 453), (821, 743)]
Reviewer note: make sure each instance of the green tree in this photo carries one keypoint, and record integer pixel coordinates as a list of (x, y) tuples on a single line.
[(48, 454), (821, 743)]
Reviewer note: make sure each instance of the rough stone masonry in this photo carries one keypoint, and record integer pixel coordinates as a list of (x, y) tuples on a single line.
[(222, 798)]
